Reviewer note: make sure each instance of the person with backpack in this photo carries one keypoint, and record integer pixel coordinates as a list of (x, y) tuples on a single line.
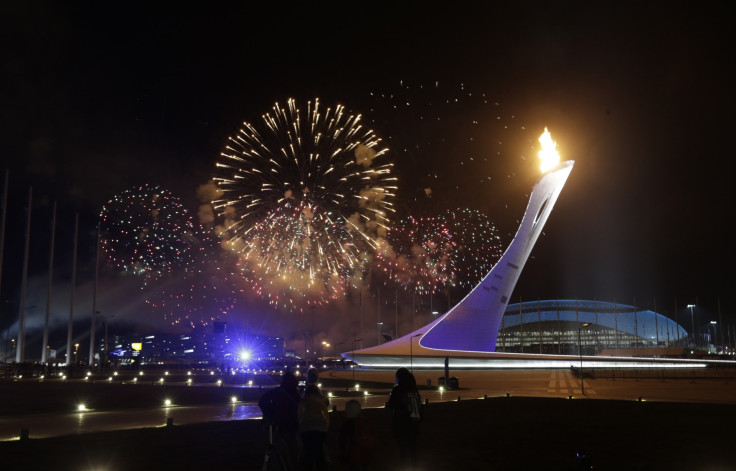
[(405, 403), (280, 408), (314, 421)]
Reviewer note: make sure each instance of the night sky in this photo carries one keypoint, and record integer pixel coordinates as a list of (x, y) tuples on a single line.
[(98, 97)]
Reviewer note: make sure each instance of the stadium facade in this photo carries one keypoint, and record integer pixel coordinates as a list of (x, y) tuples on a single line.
[(554, 327)]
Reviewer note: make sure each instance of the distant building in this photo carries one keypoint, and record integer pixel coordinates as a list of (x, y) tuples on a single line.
[(552, 327), (216, 345)]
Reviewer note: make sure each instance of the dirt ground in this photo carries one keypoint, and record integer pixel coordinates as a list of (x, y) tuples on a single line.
[(513, 433)]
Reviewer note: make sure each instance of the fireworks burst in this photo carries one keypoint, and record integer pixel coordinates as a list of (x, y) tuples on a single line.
[(417, 254), (477, 245), (305, 195), (146, 231)]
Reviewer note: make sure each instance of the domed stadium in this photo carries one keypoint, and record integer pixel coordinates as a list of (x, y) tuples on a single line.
[(588, 328)]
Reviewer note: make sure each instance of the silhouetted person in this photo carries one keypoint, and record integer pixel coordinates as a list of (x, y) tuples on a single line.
[(280, 410), (314, 420), (405, 402)]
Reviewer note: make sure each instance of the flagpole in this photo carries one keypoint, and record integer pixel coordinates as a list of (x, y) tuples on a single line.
[(20, 351), (2, 224), (71, 305), (2, 246), (94, 302), (44, 352)]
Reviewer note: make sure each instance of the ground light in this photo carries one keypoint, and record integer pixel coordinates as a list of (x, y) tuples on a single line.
[(167, 402), (81, 407), (233, 399), (219, 382)]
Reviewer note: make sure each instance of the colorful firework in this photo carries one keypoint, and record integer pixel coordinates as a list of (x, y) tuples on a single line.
[(417, 253), (305, 195), (199, 294), (477, 245), (284, 257), (146, 231)]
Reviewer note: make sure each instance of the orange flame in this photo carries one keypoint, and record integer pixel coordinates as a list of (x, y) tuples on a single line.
[(548, 155)]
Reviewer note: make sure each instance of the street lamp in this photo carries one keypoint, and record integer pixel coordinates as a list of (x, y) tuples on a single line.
[(378, 338), (580, 352), (692, 319), (107, 349), (411, 351), (353, 352), (715, 342)]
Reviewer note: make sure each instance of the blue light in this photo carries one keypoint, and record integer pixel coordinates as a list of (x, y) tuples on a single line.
[(245, 355)]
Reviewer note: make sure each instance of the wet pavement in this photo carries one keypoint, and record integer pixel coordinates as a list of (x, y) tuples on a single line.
[(373, 392)]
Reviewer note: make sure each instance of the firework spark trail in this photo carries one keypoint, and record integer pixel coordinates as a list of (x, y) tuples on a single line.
[(305, 198), (146, 231), (477, 244), (417, 254), (199, 294), (450, 140)]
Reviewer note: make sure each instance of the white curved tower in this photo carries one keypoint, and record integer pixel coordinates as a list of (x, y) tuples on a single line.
[(470, 328)]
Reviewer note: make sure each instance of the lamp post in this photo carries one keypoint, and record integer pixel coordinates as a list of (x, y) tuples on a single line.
[(411, 351), (306, 352), (692, 320), (715, 342), (311, 337), (334, 351), (353, 352), (107, 349), (378, 338), (580, 352)]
